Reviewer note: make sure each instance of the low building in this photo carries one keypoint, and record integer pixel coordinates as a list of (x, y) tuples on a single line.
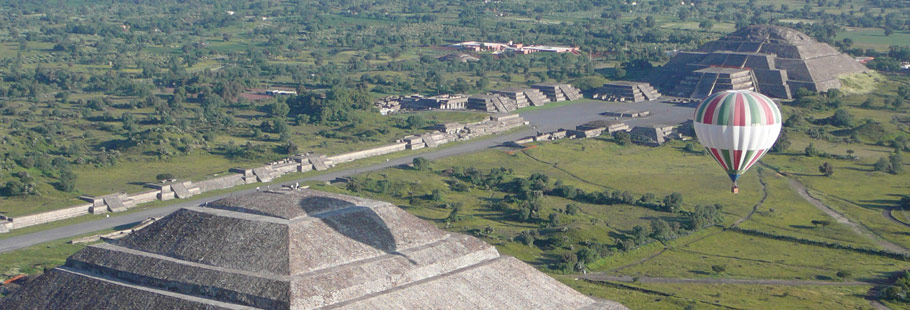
[(491, 103), (557, 92), (652, 134), (524, 97), (448, 128), (440, 102), (623, 91), (281, 92), (627, 114)]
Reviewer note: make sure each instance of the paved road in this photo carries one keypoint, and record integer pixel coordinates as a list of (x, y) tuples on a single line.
[(541, 120)]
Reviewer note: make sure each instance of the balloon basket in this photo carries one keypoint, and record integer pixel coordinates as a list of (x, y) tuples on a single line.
[(734, 189)]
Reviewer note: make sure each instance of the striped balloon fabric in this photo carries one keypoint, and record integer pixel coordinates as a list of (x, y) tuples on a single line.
[(737, 127)]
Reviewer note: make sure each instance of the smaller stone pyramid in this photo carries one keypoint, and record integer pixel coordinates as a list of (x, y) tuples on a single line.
[(779, 59), (295, 249)]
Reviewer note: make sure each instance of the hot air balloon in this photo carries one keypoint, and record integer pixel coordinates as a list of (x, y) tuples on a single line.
[(737, 127)]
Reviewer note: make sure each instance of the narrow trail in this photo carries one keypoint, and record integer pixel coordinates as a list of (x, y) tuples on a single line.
[(555, 166), (597, 276), (764, 190), (887, 214), (639, 262), (872, 297), (856, 227)]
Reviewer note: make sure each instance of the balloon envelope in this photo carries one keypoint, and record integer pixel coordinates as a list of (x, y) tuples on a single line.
[(737, 128)]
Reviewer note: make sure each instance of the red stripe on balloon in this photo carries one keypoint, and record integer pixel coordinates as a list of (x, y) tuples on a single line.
[(737, 157), (765, 105), (709, 112), (719, 159), (739, 112), (755, 159)]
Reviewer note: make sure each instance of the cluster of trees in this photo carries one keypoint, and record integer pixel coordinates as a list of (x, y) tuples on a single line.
[(893, 164), (899, 290)]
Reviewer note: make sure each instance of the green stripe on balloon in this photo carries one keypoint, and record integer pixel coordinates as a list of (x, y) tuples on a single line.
[(725, 109), (728, 158), (754, 110)]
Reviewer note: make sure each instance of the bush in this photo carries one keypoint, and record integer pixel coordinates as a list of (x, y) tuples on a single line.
[(164, 176), (718, 268), (67, 181)]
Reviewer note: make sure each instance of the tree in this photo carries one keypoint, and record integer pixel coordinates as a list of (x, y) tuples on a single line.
[(622, 137), (661, 230), (706, 24), (782, 144), (14, 188), (897, 103), (673, 202), (640, 234), (843, 274), (416, 122), (718, 268), (896, 163), (572, 209), (587, 255), (164, 176), (822, 223), (278, 109), (904, 203), (882, 164), (811, 151), (826, 169), (421, 163), (67, 181), (842, 118), (554, 219)]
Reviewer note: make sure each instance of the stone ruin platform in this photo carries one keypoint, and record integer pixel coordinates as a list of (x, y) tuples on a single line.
[(295, 249)]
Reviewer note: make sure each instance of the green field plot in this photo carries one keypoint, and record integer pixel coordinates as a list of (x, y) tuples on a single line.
[(874, 37), (751, 257)]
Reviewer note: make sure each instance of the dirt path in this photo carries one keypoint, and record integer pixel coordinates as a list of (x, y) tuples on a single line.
[(597, 276), (764, 190), (556, 166), (887, 214), (856, 227)]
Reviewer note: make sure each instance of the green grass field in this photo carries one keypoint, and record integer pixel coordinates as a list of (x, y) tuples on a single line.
[(874, 38)]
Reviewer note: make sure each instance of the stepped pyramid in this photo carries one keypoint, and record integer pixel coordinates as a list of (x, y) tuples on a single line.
[(558, 92), (626, 91), (704, 82), (295, 249), (781, 60), (492, 103), (524, 97)]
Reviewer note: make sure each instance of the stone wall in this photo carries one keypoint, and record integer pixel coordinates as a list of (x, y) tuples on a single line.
[(47, 217), (299, 163), (382, 150), (223, 182), (145, 196)]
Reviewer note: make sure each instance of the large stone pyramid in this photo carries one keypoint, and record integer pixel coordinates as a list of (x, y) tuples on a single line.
[(780, 59), (295, 249)]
